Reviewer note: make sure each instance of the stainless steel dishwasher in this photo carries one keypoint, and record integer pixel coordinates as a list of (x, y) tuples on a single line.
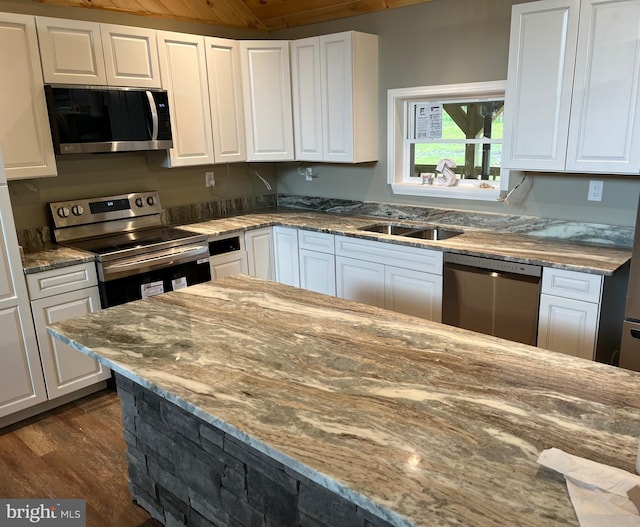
[(494, 297)]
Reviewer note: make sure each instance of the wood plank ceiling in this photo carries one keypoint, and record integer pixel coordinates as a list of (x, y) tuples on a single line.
[(264, 15)]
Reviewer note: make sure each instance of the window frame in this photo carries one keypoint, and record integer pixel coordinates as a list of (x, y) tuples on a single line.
[(398, 119)]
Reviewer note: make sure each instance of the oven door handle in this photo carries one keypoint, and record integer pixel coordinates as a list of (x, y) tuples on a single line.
[(161, 260)]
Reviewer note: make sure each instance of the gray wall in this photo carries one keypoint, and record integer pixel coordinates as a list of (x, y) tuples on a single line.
[(442, 42)]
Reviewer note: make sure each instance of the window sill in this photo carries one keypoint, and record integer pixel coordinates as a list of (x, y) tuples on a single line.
[(457, 192)]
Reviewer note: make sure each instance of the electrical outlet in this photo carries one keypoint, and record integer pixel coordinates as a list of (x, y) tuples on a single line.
[(308, 174), (209, 180), (595, 190)]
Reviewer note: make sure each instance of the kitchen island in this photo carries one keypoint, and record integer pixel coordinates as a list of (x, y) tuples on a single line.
[(252, 403)]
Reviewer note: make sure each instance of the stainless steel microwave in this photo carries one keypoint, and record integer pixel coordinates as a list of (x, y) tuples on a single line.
[(91, 119)]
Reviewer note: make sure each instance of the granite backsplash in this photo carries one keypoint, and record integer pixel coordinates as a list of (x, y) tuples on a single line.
[(593, 233)]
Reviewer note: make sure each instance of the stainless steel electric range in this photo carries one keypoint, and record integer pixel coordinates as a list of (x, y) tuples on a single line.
[(136, 255)]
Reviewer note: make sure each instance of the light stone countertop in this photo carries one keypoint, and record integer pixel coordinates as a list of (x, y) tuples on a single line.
[(484, 242), (54, 257), (420, 423), (521, 248)]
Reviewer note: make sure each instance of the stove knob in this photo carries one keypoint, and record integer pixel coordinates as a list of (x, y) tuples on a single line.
[(151, 201), (63, 212), (77, 210), (139, 202)]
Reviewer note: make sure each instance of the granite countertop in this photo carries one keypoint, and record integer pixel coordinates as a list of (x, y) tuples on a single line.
[(420, 423), (54, 257), (537, 250), (485, 241)]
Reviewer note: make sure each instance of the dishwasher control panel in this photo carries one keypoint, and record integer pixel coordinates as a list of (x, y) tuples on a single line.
[(500, 266)]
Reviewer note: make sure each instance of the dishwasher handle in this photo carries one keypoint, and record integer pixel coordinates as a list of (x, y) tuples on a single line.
[(497, 266)]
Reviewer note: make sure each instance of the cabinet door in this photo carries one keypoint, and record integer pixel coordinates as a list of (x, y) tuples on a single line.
[(285, 248), (259, 245), (349, 80), (266, 86), (307, 98), (229, 264), (539, 82), (66, 370), (184, 75), (25, 136), (360, 281), (605, 111), (130, 56), (225, 94), (71, 51), (318, 272), (568, 326), (21, 379), (413, 293)]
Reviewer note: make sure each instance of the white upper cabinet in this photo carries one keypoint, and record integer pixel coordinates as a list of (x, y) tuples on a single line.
[(130, 56), (266, 86), (335, 97), (225, 93), (572, 91), (307, 99), (184, 75), (71, 51), (80, 52), (540, 79), (25, 137), (605, 111)]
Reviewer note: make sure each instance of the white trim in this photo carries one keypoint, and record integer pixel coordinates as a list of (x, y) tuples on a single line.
[(396, 119), (408, 189)]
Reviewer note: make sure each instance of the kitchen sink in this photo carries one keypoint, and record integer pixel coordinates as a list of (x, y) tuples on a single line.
[(412, 231), (434, 233), (388, 228)]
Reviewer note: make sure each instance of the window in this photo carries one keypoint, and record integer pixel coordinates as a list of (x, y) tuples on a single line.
[(459, 126)]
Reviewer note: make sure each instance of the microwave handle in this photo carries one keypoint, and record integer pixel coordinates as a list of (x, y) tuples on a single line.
[(154, 115)]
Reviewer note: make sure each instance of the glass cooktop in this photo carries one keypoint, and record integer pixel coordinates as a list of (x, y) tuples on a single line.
[(143, 238)]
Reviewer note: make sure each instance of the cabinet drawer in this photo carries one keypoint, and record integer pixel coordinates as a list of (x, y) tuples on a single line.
[(63, 280), (321, 242), (403, 256), (571, 284)]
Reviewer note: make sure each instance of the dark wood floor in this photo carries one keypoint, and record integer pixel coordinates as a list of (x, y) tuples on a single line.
[(76, 451)]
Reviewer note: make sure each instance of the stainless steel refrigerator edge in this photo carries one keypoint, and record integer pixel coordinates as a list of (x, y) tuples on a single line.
[(630, 345)]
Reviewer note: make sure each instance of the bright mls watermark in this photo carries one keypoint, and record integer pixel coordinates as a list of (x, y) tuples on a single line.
[(44, 513)]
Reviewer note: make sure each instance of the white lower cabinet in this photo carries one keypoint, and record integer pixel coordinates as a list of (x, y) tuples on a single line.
[(58, 295), (413, 293), (285, 248), (229, 264), (360, 280), (396, 277), (21, 380), (570, 312), (259, 244), (317, 271), (65, 369), (228, 256), (568, 326)]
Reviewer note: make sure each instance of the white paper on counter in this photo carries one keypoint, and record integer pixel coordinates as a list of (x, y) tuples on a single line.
[(151, 289), (598, 492), (179, 283)]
